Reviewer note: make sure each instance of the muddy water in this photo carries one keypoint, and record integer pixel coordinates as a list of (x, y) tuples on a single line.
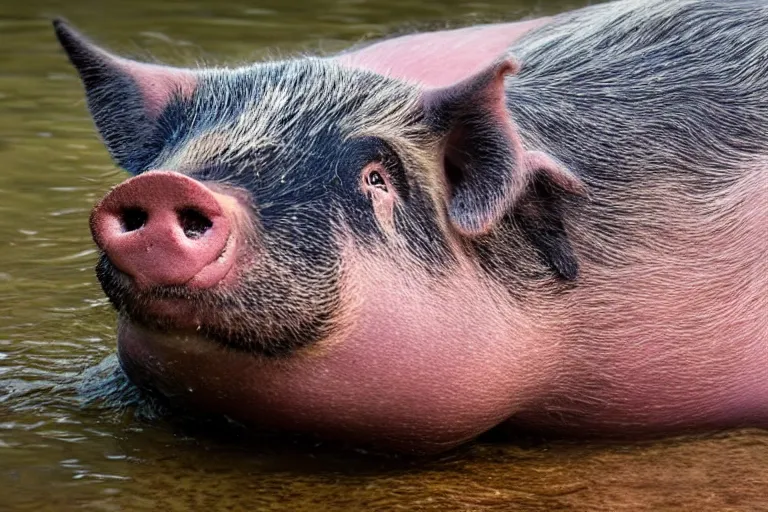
[(74, 435)]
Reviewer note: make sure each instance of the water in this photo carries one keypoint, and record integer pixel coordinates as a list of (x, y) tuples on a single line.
[(75, 436)]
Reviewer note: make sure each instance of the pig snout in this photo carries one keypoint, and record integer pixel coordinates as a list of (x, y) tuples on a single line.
[(163, 228)]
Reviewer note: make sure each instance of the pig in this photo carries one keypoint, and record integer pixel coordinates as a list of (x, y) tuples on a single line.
[(557, 225)]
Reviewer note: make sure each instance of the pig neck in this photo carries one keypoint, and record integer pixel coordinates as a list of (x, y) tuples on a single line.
[(437, 59)]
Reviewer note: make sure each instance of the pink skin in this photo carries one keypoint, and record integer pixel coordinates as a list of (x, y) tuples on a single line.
[(438, 59), (680, 339), (160, 253), (158, 83)]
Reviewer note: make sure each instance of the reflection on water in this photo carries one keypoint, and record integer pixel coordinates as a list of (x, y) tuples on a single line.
[(75, 435)]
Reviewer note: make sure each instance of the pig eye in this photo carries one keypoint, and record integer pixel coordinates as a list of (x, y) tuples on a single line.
[(382, 174), (375, 179)]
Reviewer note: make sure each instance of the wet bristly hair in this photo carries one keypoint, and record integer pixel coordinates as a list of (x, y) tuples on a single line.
[(658, 106)]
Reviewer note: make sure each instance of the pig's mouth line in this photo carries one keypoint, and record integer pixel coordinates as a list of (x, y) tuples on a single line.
[(226, 258), (261, 347), (228, 246), (224, 255), (187, 315)]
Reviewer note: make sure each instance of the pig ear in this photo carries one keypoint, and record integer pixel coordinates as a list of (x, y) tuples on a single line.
[(488, 172), (125, 97)]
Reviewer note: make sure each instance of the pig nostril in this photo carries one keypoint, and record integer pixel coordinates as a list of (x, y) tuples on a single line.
[(194, 223), (133, 219)]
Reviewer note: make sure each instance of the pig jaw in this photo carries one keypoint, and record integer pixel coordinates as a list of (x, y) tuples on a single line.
[(417, 367)]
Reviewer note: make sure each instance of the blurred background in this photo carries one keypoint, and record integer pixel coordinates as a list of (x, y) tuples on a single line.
[(74, 435)]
